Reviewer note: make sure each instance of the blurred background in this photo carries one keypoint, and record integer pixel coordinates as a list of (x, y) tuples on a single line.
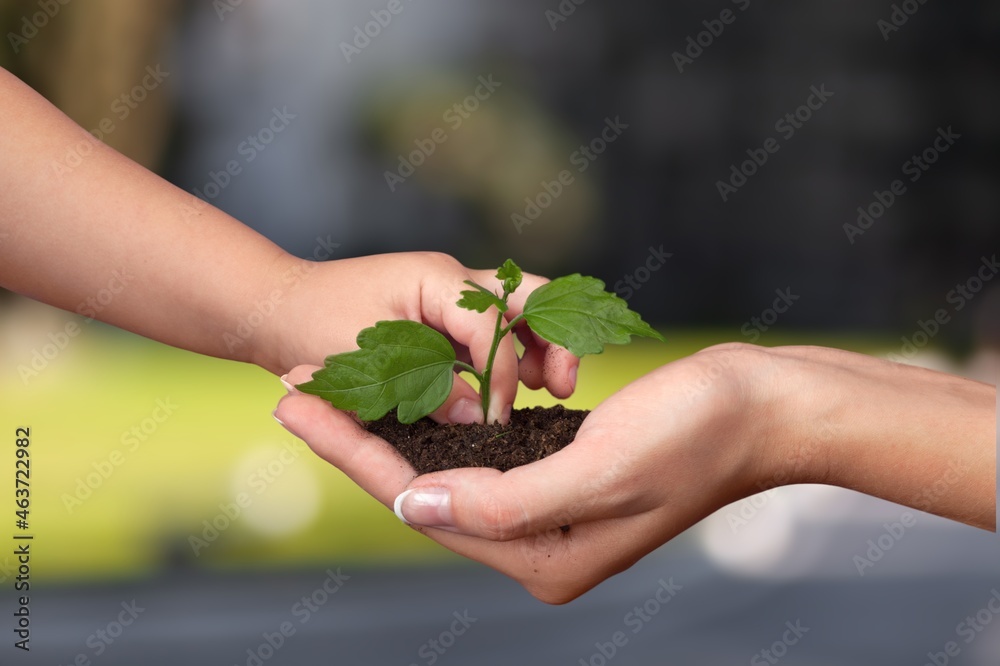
[(654, 114)]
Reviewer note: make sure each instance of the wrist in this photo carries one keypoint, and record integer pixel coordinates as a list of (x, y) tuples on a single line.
[(755, 416), (786, 434), (908, 435), (262, 324)]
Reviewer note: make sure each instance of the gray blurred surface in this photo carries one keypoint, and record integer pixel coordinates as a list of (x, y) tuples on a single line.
[(895, 614)]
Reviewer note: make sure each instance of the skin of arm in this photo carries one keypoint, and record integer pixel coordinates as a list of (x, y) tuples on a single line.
[(69, 229), (185, 273), (680, 443)]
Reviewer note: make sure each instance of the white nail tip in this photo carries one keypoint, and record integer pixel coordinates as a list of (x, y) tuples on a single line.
[(398, 505)]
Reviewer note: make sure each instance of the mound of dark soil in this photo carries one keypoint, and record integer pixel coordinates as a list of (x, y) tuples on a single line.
[(531, 435)]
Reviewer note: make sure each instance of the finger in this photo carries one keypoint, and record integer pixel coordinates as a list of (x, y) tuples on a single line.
[(462, 406), (542, 364), (546, 365), (368, 460), (298, 375), (503, 385), (559, 370), (530, 367)]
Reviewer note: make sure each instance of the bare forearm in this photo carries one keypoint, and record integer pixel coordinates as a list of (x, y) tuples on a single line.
[(920, 438), (87, 230)]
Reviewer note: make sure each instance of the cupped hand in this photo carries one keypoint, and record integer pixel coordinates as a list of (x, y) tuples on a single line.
[(650, 461), (323, 307), (678, 444)]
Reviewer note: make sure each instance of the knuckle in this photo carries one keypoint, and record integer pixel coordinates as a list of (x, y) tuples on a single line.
[(728, 347), (439, 259)]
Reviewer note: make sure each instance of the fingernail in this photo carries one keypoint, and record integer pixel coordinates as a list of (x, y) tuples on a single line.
[(572, 377), (505, 415), (427, 507), (280, 422), (288, 385), (465, 411)]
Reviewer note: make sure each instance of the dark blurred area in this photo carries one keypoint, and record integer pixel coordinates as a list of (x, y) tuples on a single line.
[(354, 96)]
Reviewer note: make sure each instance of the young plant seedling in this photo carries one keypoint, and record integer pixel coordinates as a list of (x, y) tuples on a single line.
[(410, 367)]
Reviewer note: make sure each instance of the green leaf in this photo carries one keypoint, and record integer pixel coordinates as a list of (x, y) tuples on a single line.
[(576, 313), (480, 300), (510, 275), (401, 364)]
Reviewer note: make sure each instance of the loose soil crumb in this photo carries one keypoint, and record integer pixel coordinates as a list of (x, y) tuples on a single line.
[(531, 435)]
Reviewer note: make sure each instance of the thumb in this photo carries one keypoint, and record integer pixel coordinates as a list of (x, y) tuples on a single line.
[(576, 485)]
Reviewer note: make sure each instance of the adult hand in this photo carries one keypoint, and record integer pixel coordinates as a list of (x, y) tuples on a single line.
[(678, 444)]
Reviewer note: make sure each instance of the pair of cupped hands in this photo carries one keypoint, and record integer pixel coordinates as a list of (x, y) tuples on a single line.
[(653, 459)]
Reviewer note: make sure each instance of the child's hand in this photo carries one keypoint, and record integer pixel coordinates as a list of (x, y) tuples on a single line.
[(323, 306), (183, 272)]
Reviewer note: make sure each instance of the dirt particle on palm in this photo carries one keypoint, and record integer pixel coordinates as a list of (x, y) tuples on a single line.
[(531, 435)]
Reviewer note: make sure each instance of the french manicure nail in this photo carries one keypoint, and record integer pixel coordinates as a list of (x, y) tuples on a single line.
[(280, 422), (287, 384), (572, 377), (427, 507), (465, 411)]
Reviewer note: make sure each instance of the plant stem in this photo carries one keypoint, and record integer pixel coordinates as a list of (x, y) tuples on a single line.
[(513, 322), (484, 384), (468, 368)]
